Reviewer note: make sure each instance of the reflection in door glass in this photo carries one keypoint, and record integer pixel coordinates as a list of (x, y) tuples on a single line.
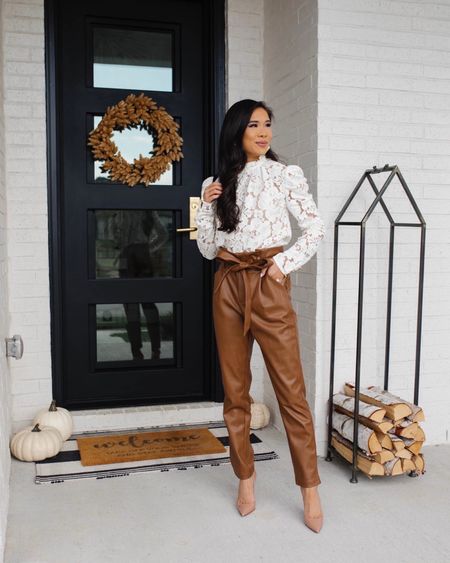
[(132, 60), (131, 143), (135, 331), (134, 243)]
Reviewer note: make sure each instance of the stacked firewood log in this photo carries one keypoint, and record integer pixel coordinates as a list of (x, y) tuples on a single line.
[(389, 434)]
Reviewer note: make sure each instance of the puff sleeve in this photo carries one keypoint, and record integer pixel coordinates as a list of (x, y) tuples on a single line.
[(301, 205), (206, 224)]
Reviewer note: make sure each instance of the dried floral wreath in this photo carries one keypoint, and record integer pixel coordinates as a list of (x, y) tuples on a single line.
[(136, 112)]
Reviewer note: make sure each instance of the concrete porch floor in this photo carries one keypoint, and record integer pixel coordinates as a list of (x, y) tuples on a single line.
[(189, 516)]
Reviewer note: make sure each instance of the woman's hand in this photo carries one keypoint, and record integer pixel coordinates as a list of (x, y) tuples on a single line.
[(212, 192)]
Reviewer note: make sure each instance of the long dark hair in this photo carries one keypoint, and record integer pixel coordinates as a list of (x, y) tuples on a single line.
[(232, 159)]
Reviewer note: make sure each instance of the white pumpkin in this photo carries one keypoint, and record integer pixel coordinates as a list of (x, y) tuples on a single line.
[(260, 415), (36, 443), (58, 417)]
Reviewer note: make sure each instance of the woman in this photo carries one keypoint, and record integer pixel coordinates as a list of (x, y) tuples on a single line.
[(243, 222)]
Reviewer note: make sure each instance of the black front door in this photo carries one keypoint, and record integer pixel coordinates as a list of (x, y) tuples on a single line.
[(131, 319)]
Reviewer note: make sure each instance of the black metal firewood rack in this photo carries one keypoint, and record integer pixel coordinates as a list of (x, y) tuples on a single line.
[(367, 175)]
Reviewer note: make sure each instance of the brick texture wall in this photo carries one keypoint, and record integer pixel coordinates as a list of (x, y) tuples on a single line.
[(383, 97), (26, 188), (5, 386), (244, 37)]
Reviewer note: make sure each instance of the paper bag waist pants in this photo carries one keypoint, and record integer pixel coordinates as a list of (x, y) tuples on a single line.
[(247, 306)]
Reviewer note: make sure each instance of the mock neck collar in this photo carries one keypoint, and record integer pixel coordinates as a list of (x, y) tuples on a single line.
[(252, 163)]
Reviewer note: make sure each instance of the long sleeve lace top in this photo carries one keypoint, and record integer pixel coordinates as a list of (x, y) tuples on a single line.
[(266, 192)]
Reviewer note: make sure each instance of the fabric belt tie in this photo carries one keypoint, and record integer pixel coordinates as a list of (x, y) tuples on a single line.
[(257, 260)]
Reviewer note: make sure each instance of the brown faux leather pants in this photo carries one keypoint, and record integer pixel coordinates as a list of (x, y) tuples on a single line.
[(248, 306)]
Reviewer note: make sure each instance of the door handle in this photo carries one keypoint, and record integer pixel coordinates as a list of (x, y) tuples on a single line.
[(194, 203)]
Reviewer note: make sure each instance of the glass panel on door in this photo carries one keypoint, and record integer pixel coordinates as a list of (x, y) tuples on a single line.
[(135, 331), (134, 243), (133, 60)]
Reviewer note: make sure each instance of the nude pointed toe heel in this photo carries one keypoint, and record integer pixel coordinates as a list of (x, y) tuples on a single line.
[(246, 508), (314, 523)]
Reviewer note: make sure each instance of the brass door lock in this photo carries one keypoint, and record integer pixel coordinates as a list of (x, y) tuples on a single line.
[(194, 204)]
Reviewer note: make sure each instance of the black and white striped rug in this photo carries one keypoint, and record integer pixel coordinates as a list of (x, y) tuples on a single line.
[(66, 465)]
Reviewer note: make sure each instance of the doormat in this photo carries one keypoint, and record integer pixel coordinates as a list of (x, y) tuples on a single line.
[(67, 466), (138, 446)]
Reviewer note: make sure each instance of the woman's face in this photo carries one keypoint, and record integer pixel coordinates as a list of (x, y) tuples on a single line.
[(257, 135)]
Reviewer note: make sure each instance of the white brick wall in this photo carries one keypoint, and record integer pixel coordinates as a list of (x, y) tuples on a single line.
[(26, 186), (384, 94), (244, 39), (290, 88), (5, 391)]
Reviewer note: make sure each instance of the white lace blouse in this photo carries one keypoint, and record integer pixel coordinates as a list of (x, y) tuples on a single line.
[(266, 191)]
